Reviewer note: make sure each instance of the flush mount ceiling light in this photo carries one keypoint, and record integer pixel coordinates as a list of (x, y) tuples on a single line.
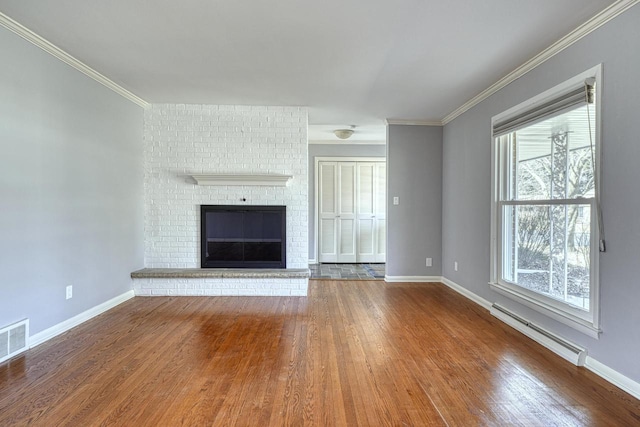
[(344, 133)]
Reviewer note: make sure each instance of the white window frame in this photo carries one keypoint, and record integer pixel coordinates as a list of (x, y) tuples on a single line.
[(587, 322)]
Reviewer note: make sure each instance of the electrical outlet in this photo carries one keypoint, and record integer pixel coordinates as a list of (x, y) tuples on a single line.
[(396, 200), (455, 265), (429, 262), (69, 292)]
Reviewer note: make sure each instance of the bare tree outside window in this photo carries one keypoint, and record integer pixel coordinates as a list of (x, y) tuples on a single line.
[(551, 249)]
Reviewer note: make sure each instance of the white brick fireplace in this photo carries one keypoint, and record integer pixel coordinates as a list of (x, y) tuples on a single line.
[(181, 140)]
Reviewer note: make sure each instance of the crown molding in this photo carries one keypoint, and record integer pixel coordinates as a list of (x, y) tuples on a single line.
[(414, 122), (63, 56), (592, 24)]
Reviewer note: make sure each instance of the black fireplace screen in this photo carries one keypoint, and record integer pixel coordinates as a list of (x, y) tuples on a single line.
[(243, 236)]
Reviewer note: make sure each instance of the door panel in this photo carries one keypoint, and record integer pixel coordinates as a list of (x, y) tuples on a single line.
[(366, 209), (327, 212), (351, 211), (347, 199), (347, 241), (366, 240), (328, 238), (328, 188), (365, 189), (346, 211)]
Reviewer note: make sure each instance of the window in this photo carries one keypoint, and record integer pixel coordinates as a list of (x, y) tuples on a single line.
[(545, 215)]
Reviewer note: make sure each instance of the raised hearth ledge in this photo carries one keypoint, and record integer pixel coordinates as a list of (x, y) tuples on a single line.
[(220, 282), (236, 273)]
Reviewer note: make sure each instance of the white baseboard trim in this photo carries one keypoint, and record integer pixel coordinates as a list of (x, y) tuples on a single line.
[(614, 377), (420, 279), (61, 327), (603, 371), (467, 293), (313, 261)]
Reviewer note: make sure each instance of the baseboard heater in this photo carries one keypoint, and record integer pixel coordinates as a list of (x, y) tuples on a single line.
[(558, 345), (14, 339)]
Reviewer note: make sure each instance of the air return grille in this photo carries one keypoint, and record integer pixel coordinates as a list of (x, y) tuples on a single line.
[(13, 339)]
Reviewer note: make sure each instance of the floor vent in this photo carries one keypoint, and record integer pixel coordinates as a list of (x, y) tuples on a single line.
[(558, 345), (14, 339)]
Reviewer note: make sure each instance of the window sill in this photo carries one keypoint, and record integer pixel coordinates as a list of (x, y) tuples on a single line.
[(568, 319)]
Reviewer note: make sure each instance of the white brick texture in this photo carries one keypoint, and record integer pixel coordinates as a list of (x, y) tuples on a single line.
[(183, 139), (220, 287)]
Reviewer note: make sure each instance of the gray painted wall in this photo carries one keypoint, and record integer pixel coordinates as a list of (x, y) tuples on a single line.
[(332, 150), (466, 203), (71, 209), (414, 174)]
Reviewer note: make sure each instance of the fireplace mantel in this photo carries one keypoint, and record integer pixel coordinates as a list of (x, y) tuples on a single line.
[(273, 180)]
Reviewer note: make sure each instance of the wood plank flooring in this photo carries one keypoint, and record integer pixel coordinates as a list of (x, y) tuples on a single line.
[(354, 353)]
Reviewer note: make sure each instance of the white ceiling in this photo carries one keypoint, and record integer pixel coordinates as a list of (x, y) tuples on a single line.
[(350, 61)]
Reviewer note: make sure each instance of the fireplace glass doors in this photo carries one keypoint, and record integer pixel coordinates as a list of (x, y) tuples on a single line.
[(243, 236)]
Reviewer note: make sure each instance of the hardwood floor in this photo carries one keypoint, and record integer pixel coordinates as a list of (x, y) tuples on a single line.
[(354, 353)]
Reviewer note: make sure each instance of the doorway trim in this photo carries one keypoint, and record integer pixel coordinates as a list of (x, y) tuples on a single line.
[(316, 186)]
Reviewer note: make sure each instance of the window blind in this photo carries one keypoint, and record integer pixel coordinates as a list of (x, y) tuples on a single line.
[(569, 100)]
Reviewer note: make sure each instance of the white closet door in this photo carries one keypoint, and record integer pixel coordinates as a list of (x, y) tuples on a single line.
[(351, 211), (327, 212), (346, 212), (366, 213), (380, 211)]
